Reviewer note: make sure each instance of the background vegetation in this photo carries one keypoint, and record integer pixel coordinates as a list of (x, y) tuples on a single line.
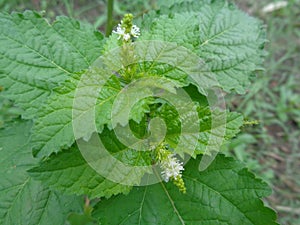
[(271, 148)]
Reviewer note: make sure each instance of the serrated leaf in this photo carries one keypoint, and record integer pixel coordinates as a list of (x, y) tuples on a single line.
[(69, 172), (181, 28), (226, 39), (212, 125), (165, 7), (23, 200), (105, 102), (139, 110), (229, 123), (231, 42), (225, 193), (36, 56), (53, 128)]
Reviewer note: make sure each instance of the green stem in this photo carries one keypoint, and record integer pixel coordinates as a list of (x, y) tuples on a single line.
[(109, 22)]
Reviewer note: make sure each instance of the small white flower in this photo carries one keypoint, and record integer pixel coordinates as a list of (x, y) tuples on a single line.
[(120, 31), (172, 168), (126, 36), (135, 31)]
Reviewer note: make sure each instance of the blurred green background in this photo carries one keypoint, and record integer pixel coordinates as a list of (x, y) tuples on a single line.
[(270, 148)]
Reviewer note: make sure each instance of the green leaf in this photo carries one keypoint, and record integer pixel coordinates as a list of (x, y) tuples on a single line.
[(69, 172), (36, 56), (181, 28), (231, 122), (225, 193), (142, 107), (212, 124), (23, 200), (225, 38), (53, 128), (105, 102), (234, 122), (165, 7), (231, 43)]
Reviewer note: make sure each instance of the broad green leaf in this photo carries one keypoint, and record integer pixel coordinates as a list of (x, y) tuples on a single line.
[(171, 6), (225, 193), (181, 28), (36, 56), (53, 128), (23, 200), (69, 172), (225, 38), (231, 43)]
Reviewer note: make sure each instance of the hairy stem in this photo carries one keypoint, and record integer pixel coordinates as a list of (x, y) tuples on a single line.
[(109, 22)]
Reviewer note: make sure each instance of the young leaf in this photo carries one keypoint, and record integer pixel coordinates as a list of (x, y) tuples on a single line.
[(225, 193), (36, 56), (23, 200)]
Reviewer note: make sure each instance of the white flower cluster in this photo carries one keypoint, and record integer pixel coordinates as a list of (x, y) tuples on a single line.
[(172, 168), (121, 31)]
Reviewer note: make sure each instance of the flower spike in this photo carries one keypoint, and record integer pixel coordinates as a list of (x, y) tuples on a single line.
[(171, 167)]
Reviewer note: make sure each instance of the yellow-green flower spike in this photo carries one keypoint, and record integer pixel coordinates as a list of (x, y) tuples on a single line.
[(127, 22), (251, 123), (178, 181)]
